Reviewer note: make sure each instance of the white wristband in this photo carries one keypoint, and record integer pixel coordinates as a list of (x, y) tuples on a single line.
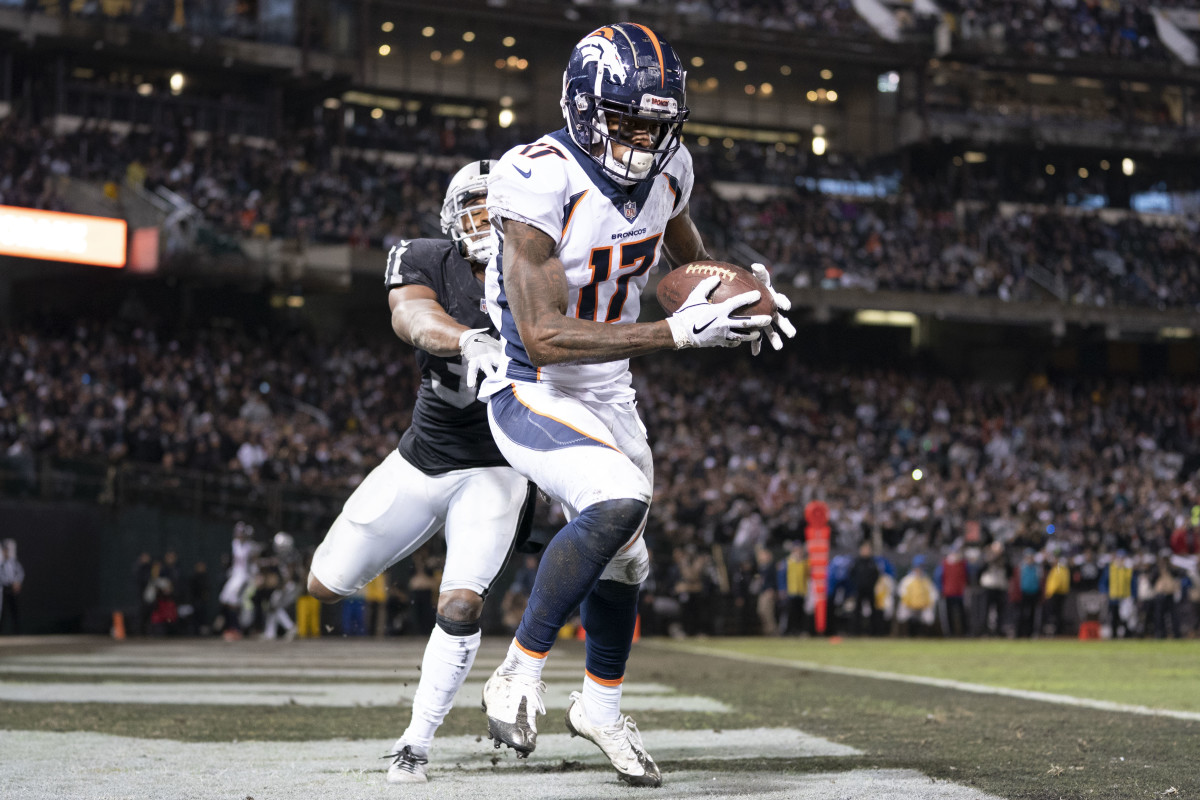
[(679, 332), (467, 334)]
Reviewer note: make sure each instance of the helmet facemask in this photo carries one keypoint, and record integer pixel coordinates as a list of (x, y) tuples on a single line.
[(464, 216), (638, 162)]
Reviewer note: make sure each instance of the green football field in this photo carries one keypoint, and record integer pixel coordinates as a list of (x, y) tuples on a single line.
[(1158, 674), (771, 719)]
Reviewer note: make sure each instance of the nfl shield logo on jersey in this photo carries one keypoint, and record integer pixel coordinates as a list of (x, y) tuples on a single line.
[(631, 210)]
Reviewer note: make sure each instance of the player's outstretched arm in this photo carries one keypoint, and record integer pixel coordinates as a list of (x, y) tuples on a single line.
[(419, 319), (536, 287)]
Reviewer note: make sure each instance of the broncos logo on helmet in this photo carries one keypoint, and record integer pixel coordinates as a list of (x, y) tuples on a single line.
[(596, 48), (625, 74)]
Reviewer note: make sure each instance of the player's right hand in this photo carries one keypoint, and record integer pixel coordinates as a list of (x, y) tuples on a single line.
[(480, 353), (699, 323)]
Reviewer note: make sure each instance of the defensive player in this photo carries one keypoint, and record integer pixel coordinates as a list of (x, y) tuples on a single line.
[(447, 472), (581, 217)]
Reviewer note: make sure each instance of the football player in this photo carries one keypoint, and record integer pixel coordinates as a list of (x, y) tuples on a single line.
[(581, 216), (447, 472)]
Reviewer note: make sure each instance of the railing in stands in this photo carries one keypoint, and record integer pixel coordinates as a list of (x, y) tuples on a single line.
[(219, 495)]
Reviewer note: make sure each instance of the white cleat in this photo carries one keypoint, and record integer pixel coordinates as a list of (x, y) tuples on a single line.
[(512, 703), (408, 765), (620, 741)]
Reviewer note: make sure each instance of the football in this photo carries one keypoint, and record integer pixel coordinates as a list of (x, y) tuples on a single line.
[(677, 284)]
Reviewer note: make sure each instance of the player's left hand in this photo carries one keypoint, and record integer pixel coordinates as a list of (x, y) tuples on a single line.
[(480, 353), (778, 320)]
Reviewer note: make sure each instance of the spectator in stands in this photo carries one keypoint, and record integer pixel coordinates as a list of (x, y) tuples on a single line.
[(1117, 582), (1028, 578), (916, 608), (1167, 585), (765, 589), (796, 572), (12, 579), (1058, 585), (953, 579), (864, 575), (994, 580)]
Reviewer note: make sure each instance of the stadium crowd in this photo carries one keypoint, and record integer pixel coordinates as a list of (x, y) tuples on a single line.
[(1081, 465), (921, 240), (1057, 29)]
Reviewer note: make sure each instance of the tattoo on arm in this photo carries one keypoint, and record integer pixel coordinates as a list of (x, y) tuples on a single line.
[(535, 284)]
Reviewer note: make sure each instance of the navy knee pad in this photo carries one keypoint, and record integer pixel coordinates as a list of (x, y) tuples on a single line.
[(573, 563), (610, 524)]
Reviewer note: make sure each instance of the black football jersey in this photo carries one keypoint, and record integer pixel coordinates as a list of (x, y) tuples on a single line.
[(449, 428)]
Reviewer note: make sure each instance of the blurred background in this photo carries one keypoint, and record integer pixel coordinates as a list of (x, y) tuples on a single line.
[(985, 213)]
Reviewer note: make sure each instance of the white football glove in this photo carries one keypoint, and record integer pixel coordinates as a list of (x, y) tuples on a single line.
[(699, 323), (778, 320), (480, 353)]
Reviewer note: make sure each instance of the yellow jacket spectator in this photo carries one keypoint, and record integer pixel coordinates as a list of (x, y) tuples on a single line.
[(1058, 580)]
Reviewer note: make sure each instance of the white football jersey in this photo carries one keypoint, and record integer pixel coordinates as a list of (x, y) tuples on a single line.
[(608, 238)]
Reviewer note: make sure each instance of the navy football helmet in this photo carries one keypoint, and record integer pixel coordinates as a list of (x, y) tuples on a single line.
[(624, 72)]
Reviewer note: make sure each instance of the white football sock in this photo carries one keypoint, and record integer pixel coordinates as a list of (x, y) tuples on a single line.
[(447, 661), (601, 704), (519, 662)]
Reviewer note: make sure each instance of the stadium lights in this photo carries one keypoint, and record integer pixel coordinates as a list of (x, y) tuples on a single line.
[(917, 474), (387, 27), (428, 31), (176, 82), (508, 41), (895, 319), (818, 145), (385, 49), (974, 157), (697, 61), (1127, 166), (468, 36), (1176, 333), (740, 66), (506, 117), (826, 75), (145, 89), (818, 129), (785, 70)]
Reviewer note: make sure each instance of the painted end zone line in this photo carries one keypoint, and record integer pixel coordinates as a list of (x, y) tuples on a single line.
[(944, 683)]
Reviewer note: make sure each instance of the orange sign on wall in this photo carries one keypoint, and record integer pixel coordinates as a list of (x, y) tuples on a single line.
[(54, 236)]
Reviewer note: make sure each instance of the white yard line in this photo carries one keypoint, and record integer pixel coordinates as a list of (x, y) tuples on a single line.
[(943, 683), (638, 697)]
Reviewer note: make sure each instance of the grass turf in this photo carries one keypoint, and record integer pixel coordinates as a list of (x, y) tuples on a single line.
[(1157, 674)]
